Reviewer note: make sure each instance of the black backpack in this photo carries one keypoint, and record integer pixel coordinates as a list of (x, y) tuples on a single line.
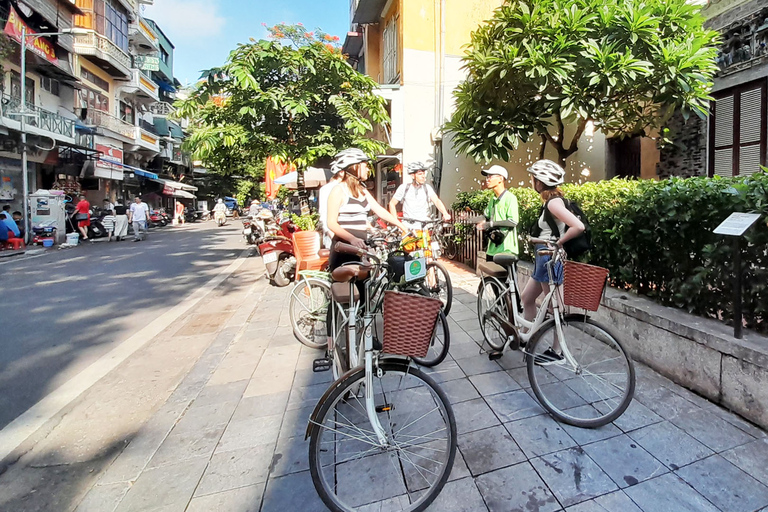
[(576, 246)]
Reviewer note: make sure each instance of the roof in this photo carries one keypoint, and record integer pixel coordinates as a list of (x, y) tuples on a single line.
[(156, 27)]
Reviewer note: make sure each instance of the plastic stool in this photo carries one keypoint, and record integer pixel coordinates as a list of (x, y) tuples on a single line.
[(15, 243)]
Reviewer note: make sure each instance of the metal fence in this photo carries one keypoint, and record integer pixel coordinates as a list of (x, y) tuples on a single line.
[(469, 241)]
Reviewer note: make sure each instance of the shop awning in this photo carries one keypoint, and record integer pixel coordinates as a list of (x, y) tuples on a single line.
[(183, 194), (174, 184), (136, 170), (353, 44), (368, 11)]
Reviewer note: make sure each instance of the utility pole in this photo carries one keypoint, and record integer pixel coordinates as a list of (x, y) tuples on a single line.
[(23, 113)]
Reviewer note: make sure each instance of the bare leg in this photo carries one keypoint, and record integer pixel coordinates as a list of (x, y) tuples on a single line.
[(531, 292), (83, 231)]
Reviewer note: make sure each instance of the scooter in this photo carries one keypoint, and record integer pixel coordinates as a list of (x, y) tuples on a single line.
[(278, 256), (220, 218), (250, 231)]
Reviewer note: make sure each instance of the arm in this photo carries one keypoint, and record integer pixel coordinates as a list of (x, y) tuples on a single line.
[(576, 227), (383, 213), (440, 206), (334, 204), (393, 206)]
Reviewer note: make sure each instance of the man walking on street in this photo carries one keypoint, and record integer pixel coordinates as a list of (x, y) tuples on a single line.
[(501, 214), (138, 217), (416, 198)]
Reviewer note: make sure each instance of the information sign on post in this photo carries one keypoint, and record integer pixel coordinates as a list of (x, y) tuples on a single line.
[(736, 225)]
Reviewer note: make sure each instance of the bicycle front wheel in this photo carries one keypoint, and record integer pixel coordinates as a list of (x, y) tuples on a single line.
[(592, 390), (439, 285), (351, 469), (308, 309)]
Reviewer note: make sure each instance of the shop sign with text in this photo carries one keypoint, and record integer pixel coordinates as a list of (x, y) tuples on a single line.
[(38, 45), (109, 156)]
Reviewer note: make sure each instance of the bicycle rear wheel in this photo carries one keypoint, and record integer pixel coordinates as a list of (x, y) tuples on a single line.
[(438, 347), (595, 390), (490, 310), (438, 283), (350, 469), (308, 309)]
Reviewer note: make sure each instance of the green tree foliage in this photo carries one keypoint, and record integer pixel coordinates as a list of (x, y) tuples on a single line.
[(295, 103), (539, 65)]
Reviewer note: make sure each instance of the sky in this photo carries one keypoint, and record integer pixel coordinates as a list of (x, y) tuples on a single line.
[(205, 31)]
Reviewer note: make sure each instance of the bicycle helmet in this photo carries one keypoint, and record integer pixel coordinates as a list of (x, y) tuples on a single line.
[(547, 172), (346, 158), (414, 167)]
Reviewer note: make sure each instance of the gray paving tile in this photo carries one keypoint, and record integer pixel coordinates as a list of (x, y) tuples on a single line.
[(459, 496), (489, 449), (665, 402), (295, 422), (243, 499), (186, 445), (725, 485), (572, 476), (668, 493), (624, 461), (464, 348), (372, 479), (239, 468), (514, 405), (712, 431), (310, 378), (751, 458), (218, 393), (291, 456), (473, 415), (636, 416), (305, 396), (478, 364), (460, 469), (292, 492), (512, 359), (170, 485), (520, 374), (446, 371), (260, 406), (539, 435), (494, 383), (670, 445), (614, 502), (460, 390), (585, 436), (249, 433), (516, 488), (200, 418), (103, 497)]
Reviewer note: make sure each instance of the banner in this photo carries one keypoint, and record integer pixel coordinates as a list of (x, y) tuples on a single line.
[(38, 45), (273, 171), (109, 157), (147, 63)]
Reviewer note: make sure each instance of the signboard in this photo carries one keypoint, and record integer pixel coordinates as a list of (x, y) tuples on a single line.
[(38, 45), (147, 63), (110, 162), (736, 224), (415, 269), (168, 190)]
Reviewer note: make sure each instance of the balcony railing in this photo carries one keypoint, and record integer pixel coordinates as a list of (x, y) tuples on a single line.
[(40, 118), (110, 122), (140, 28), (162, 108), (92, 42), (149, 127)]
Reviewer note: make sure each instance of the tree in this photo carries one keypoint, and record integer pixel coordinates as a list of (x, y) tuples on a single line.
[(296, 102), (537, 66)]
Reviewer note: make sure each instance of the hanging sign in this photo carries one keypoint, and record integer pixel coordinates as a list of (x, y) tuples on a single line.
[(415, 269), (736, 224), (109, 157), (147, 63), (38, 45)]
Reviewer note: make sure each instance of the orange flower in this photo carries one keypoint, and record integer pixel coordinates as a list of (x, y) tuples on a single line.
[(335, 38)]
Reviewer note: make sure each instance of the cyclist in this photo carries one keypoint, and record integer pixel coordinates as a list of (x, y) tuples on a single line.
[(501, 214), (416, 197), (322, 204), (546, 176)]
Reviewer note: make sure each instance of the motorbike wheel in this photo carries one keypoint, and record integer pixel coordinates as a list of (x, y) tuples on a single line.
[(281, 279)]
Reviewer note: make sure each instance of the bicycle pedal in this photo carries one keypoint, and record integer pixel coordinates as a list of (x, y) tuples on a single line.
[(321, 365), (493, 355)]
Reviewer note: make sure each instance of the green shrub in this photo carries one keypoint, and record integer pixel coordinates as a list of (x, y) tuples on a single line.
[(305, 222), (656, 238)]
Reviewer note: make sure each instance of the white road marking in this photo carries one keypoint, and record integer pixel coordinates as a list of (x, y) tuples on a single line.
[(36, 416)]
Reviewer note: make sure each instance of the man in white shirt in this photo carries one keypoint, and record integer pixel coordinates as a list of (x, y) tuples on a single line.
[(138, 216), (416, 198), (322, 207)]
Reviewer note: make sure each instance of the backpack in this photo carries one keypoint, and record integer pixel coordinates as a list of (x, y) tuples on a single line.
[(576, 246)]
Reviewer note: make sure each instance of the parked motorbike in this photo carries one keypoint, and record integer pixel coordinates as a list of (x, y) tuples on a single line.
[(191, 215), (278, 256), (251, 232)]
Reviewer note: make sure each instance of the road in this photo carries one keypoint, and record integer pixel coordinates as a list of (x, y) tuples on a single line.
[(63, 310)]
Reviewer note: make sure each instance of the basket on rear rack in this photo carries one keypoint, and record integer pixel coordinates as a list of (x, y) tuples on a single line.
[(584, 285), (409, 323)]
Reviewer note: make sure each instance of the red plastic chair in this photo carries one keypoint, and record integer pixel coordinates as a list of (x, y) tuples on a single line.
[(309, 256), (13, 242)]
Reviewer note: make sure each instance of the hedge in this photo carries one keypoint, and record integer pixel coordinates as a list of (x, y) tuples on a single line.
[(656, 238)]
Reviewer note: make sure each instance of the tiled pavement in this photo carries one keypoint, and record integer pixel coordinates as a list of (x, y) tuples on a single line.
[(240, 445)]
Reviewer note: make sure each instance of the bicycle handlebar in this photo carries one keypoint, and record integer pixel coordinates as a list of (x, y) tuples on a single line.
[(344, 248)]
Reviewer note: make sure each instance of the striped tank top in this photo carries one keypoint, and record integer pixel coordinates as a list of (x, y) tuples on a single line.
[(353, 215)]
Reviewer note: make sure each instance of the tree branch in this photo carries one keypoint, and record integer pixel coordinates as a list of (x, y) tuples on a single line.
[(576, 136), (543, 145), (560, 128)]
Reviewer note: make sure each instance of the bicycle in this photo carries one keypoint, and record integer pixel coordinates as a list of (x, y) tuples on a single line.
[(385, 416), (308, 307), (578, 370), (422, 245), (446, 240)]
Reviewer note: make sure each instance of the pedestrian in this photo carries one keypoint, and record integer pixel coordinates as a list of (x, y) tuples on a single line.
[(83, 217), (109, 224), (322, 206), (546, 178), (501, 215), (8, 225), (138, 216), (179, 212), (417, 198), (121, 222), (107, 205)]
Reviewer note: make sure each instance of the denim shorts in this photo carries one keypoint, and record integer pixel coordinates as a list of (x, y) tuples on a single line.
[(540, 273)]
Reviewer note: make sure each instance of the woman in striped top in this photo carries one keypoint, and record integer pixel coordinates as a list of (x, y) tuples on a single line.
[(350, 203)]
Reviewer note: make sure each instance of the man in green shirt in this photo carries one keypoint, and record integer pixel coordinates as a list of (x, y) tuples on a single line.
[(502, 212)]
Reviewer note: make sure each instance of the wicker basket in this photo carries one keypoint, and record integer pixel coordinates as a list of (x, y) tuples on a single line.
[(409, 323), (583, 285)]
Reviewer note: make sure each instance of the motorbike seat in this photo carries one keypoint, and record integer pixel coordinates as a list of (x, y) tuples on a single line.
[(340, 292), (489, 268), (347, 273)]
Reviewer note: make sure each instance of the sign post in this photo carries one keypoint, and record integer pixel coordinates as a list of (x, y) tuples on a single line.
[(736, 225)]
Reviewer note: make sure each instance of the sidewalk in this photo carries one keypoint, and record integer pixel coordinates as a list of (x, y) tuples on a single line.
[(239, 445)]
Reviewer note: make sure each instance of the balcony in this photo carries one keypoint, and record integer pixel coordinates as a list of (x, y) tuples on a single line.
[(146, 138), (142, 34), (114, 60), (162, 108), (368, 11), (142, 87), (111, 123), (39, 121)]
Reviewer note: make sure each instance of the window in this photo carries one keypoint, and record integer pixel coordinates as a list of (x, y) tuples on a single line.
[(50, 85), (95, 80), (29, 93), (737, 137), (164, 55), (93, 100), (127, 113), (116, 26), (84, 20), (391, 74)]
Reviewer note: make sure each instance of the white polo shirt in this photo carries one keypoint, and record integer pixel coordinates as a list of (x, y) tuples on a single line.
[(417, 202)]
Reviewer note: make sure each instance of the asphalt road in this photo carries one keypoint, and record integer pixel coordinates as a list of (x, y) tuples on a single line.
[(61, 311)]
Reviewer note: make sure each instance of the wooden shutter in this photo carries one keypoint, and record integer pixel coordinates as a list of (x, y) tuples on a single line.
[(723, 138)]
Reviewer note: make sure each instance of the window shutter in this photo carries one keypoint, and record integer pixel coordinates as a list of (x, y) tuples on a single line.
[(750, 112), (723, 151)]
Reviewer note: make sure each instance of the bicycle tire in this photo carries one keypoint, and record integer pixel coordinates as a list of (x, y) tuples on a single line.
[(438, 346), (409, 398), (443, 292), (340, 363), (304, 319), (492, 331), (449, 249), (588, 400)]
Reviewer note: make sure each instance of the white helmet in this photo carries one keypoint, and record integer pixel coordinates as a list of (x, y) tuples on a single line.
[(220, 201), (547, 172), (347, 157), (414, 167)]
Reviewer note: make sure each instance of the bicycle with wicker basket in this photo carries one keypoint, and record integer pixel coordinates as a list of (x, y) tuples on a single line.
[(578, 369), (385, 421)]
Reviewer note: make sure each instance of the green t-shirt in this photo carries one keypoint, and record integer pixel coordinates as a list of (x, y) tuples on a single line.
[(501, 208)]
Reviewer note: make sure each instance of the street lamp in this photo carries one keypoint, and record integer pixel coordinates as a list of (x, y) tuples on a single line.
[(23, 113)]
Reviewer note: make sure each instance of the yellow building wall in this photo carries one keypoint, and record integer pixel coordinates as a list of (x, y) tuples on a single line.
[(96, 70)]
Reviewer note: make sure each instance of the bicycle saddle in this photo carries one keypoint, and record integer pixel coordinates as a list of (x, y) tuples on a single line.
[(347, 273), (490, 268), (506, 260)]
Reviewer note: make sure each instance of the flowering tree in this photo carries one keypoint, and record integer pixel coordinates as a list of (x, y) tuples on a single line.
[(298, 36)]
